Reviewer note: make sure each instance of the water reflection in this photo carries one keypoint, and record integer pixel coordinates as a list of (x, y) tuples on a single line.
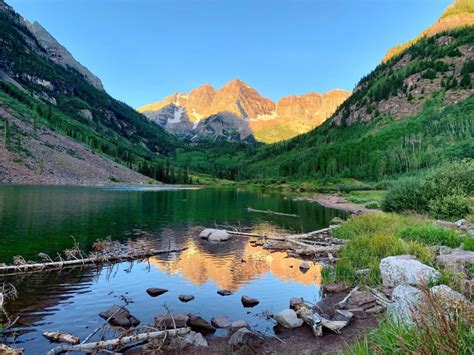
[(232, 272)]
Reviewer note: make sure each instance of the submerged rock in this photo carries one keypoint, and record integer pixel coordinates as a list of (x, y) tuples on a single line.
[(405, 269), (185, 298), (200, 325), (296, 301), (224, 292), (288, 319), (214, 235), (304, 266), (221, 322), (244, 336), (120, 317), (249, 301), (155, 291)]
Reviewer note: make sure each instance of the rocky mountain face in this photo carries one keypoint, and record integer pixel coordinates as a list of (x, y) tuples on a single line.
[(459, 14), (239, 112), (59, 54), (400, 87), (55, 116)]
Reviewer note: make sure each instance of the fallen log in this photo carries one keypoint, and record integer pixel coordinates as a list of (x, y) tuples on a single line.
[(96, 346), (255, 235), (99, 259), (317, 322), (57, 337), (250, 209)]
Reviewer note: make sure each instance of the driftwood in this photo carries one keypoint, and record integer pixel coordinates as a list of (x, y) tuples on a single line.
[(97, 346), (316, 321), (96, 259), (342, 304), (250, 209), (261, 236), (57, 337)]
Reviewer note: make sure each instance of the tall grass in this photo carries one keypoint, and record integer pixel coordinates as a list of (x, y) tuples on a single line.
[(440, 327)]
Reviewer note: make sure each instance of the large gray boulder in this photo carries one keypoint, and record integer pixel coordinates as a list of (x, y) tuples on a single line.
[(288, 319), (456, 261), (447, 296), (214, 235), (406, 301), (405, 269)]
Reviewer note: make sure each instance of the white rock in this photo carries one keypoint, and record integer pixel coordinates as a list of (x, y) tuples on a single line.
[(405, 269), (406, 300), (214, 235), (447, 295), (288, 319), (194, 339), (238, 324), (461, 223)]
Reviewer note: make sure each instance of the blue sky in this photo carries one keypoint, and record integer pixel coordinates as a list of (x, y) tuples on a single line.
[(144, 50)]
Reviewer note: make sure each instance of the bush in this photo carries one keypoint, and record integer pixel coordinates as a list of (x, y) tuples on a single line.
[(468, 243), (449, 207), (441, 194), (405, 195), (431, 235), (372, 205)]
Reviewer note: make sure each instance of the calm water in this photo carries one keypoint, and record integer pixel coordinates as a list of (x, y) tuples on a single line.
[(37, 219)]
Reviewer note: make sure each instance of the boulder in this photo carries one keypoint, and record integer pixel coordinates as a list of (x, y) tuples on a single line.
[(296, 301), (186, 298), (221, 322), (243, 336), (447, 295), (457, 261), (6, 350), (200, 325), (168, 321), (343, 315), (405, 269), (467, 288), (214, 235), (335, 288), (119, 317), (361, 299), (155, 291), (249, 301), (375, 310), (236, 325), (461, 223), (192, 339), (359, 313), (288, 319), (406, 301), (224, 292)]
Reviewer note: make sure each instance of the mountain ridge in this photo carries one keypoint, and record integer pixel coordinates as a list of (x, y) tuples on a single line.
[(294, 114)]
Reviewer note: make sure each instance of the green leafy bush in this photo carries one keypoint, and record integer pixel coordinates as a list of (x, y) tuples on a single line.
[(431, 235), (405, 195), (372, 205), (449, 207)]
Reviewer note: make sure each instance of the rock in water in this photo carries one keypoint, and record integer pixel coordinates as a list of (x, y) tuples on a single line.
[(200, 325), (236, 325), (214, 235), (296, 301), (249, 301), (288, 319), (221, 322), (304, 266), (406, 301), (224, 292), (169, 321), (120, 317), (186, 298), (244, 336), (155, 292), (405, 269)]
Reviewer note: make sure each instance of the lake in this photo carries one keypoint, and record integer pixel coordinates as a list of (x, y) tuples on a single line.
[(48, 219)]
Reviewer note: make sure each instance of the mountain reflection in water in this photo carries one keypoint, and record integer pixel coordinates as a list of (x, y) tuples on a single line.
[(233, 271)]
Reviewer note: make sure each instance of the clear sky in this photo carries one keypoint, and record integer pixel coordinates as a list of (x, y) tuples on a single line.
[(144, 50)]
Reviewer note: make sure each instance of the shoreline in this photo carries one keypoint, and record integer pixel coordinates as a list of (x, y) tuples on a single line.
[(340, 203)]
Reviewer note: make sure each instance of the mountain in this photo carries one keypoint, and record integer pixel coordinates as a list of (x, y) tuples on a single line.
[(58, 124), (412, 112), (239, 112), (460, 13)]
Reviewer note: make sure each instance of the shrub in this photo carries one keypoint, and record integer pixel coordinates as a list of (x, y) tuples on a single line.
[(372, 205), (405, 195), (449, 207), (468, 243), (431, 235)]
